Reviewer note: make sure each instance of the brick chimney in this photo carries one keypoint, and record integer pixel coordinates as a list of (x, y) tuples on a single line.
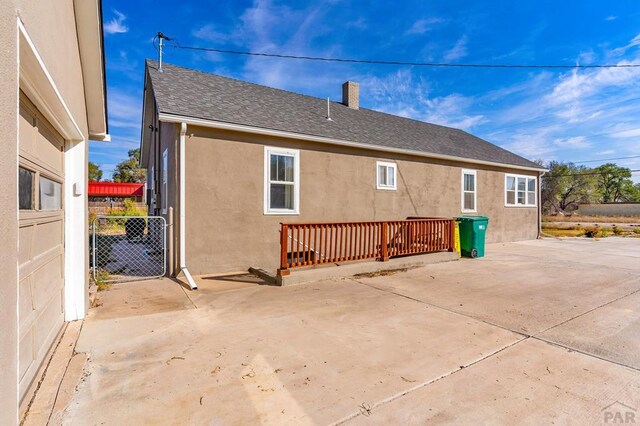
[(350, 94)]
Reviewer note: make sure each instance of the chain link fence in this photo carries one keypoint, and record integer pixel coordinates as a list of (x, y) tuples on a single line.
[(127, 248)]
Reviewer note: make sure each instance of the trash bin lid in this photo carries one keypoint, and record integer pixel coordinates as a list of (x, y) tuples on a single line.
[(473, 218)]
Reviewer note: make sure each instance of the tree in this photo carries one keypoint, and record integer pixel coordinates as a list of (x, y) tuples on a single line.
[(615, 184), (95, 174), (565, 184), (129, 170)]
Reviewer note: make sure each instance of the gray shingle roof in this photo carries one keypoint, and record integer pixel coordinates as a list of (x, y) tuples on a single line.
[(190, 93)]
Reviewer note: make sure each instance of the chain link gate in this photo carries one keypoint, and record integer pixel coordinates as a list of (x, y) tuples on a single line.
[(127, 248)]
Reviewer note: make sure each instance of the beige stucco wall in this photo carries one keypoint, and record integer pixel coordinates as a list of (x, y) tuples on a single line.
[(169, 135), (9, 216), (52, 28), (227, 230)]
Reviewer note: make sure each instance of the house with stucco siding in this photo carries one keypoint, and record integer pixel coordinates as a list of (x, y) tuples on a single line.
[(228, 161)]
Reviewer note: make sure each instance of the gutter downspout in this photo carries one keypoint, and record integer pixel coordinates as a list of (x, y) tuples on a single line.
[(183, 216), (541, 174)]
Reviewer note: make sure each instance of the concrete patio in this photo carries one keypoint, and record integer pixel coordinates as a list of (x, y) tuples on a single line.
[(535, 332)]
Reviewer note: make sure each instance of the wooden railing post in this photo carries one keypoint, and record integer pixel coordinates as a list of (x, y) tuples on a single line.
[(284, 240), (384, 243)]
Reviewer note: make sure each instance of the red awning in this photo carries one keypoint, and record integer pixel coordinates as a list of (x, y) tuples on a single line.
[(115, 189)]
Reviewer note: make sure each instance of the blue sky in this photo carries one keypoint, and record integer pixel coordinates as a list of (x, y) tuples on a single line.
[(563, 115)]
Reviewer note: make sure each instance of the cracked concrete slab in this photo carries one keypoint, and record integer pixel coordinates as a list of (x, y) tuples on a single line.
[(611, 332), (432, 344), (307, 354), (527, 287), (531, 382)]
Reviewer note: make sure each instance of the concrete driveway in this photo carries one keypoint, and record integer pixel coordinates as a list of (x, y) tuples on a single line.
[(541, 331)]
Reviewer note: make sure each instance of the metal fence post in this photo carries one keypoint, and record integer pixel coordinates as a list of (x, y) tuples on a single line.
[(169, 253)]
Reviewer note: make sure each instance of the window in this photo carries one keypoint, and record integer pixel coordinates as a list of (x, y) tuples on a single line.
[(469, 192), (520, 190), (50, 194), (282, 176), (25, 189), (165, 181), (386, 175)]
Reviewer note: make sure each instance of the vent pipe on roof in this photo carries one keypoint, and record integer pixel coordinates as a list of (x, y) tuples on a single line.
[(161, 37), (328, 110), (350, 95)]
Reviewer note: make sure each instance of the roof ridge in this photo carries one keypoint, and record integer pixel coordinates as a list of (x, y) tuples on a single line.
[(303, 95), (242, 81), (195, 93)]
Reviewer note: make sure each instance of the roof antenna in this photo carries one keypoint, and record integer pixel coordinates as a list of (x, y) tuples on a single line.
[(328, 110), (161, 37)]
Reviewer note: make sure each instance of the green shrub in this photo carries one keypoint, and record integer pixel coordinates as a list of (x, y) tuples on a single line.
[(131, 209), (102, 279), (617, 230)]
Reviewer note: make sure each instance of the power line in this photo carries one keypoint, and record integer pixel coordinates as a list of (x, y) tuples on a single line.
[(407, 63), (605, 159), (583, 174)]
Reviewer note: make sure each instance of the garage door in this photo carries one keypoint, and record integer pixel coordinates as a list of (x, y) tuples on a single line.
[(41, 240)]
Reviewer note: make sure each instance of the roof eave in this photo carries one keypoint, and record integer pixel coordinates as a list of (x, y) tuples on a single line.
[(91, 45), (174, 118)]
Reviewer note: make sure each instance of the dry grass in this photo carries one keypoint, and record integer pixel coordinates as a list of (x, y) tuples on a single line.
[(383, 273), (555, 232), (592, 219), (589, 231), (102, 276)]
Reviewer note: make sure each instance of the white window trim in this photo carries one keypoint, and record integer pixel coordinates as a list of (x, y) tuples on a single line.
[(475, 191), (268, 151), (387, 164), (165, 181), (526, 196)]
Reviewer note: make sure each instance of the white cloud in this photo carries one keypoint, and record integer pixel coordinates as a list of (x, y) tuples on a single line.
[(530, 145), (269, 28), (622, 50), (458, 51), (421, 26), (600, 104), (208, 33), (586, 58), (610, 18), (400, 93), (451, 111), (116, 25), (579, 142), (580, 90), (359, 24), (125, 109), (630, 133)]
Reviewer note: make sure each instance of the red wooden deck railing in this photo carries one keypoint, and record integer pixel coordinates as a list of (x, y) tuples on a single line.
[(309, 244)]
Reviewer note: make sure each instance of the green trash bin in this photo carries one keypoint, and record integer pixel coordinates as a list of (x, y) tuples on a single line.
[(472, 234)]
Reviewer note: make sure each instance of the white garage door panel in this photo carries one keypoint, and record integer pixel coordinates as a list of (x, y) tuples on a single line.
[(41, 250), (48, 154), (25, 350)]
